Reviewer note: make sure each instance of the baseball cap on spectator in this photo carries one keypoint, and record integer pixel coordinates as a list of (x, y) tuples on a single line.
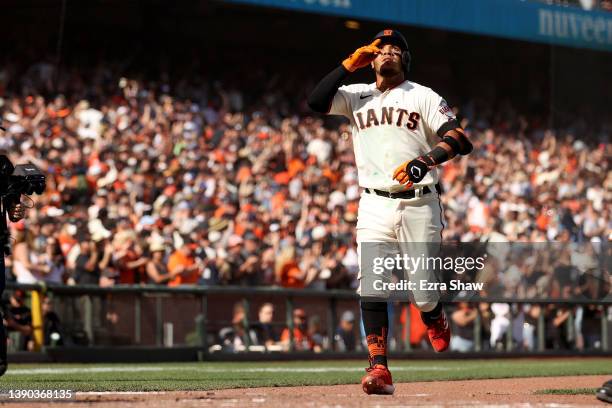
[(183, 205), (122, 237), (234, 240), (214, 236), (250, 236), (350, 217), (348, 316), (54, 212), (188, 226), (97, 230), (147, 221), (140, 208), (350, 176), (318, 232), (217, 224), (157, 244), (352, 192), (337, 198), (325, 274)]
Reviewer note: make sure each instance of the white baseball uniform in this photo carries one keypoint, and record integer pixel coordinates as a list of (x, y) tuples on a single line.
[(389, 128)]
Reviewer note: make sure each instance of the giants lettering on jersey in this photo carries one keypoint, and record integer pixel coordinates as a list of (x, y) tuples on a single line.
[(387, 116)]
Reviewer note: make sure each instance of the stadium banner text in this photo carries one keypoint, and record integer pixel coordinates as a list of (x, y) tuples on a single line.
[(519, 20)]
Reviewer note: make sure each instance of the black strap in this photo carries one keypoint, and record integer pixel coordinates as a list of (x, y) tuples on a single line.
[(450, 125)]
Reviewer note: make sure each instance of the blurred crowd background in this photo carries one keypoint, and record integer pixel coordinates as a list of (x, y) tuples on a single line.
[(187, 157), (198, 182)]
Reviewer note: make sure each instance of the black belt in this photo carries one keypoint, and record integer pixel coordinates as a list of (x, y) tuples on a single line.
[(404, 194)]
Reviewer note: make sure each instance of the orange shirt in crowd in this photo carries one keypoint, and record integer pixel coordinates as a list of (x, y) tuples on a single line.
[(295, 167), (130, 275), (66, 243), (542, 221), (179, 259), (301, 339), (244, 173), (418, 330), (278, 201), (291, 276)]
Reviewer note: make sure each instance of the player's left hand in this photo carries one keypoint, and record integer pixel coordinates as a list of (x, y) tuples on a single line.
[(411, 172)]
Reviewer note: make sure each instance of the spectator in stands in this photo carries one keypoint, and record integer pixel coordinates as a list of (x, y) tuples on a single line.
[(588, 324), (499, 324), (182, 265), (51, 262), (86, 270), (54, 333), (530, 335), (315, 332), (234, 338), (345, 338), (129, 258), (156, 268), (463, 319), (18, 317), (264, 329), (25, 266), (301, 338)]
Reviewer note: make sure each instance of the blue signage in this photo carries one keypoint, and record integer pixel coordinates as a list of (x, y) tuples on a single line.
[(515, 19)]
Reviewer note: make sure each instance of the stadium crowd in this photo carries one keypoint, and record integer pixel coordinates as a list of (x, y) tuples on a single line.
[(201, 183)]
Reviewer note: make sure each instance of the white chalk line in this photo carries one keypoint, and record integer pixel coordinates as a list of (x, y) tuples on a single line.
[(93, 393), (79, 370)]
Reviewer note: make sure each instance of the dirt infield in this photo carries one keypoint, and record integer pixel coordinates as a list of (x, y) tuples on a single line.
[(504, 392)]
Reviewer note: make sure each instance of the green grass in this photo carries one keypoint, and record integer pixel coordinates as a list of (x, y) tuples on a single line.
[(209, 376), (569, 391)]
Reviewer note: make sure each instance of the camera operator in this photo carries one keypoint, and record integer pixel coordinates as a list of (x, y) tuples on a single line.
[(15, 181), (16, 212)]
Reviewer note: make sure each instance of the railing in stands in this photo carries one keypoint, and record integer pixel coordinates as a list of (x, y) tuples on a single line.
[(154, 315)]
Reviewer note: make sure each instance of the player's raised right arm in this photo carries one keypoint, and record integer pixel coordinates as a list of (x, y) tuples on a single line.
[(322, 97)]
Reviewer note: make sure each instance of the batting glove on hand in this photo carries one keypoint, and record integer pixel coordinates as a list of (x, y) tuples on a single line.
[(362, 56), (412, 171)]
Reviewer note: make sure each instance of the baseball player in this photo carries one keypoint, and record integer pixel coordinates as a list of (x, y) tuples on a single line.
[(402, 132)]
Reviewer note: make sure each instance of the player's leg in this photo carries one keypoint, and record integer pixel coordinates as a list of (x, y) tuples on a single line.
[(375, 233), (420, 233)]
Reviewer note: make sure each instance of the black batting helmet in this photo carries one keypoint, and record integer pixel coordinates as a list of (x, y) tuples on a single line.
[(394, 37)]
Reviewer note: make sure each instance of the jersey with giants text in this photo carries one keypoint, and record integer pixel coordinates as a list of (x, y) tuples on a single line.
[(390, 128)]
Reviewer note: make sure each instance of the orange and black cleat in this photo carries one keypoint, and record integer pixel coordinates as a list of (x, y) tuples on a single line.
[(378, 381), (439, 333)]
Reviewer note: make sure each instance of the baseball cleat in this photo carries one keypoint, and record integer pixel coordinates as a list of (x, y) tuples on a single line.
[(439, 333), (378, 381)]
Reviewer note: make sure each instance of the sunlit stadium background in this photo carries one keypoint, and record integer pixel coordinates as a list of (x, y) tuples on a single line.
[(176, 135)]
